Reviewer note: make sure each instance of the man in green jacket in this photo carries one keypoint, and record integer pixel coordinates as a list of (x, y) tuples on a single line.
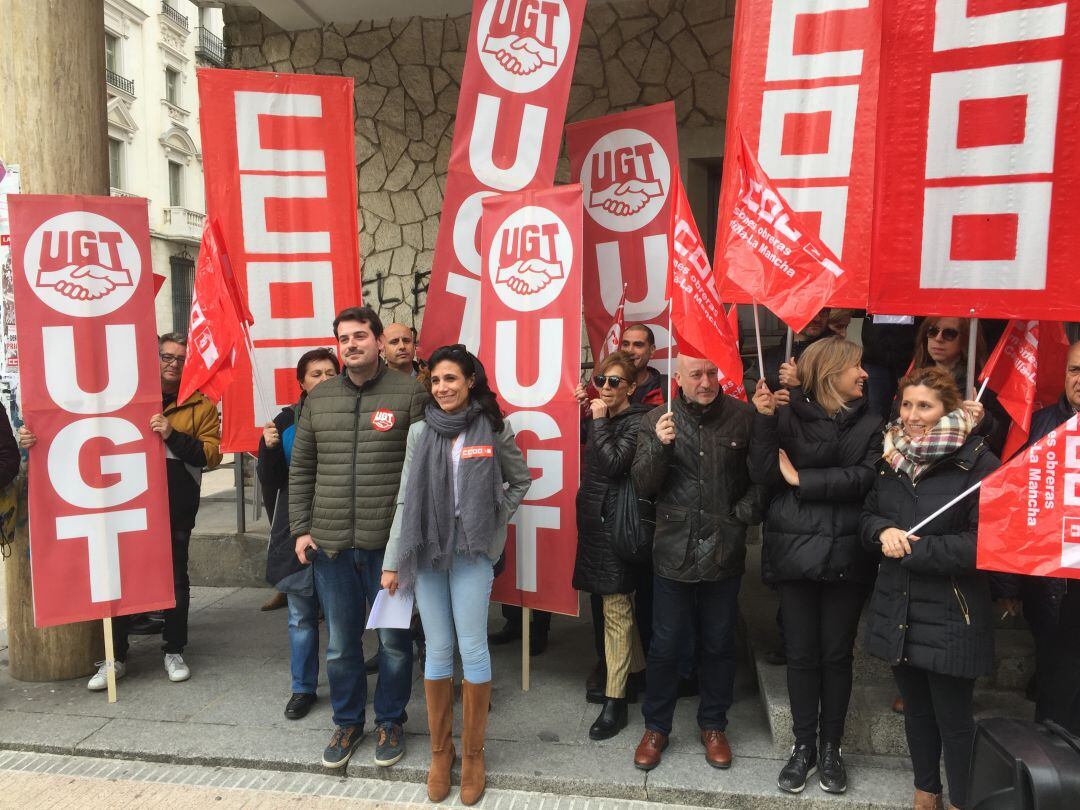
[(343, 484)]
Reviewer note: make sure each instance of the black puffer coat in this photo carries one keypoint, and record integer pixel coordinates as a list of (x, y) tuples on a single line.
[(931, 609), (812, 530), (609, 454)]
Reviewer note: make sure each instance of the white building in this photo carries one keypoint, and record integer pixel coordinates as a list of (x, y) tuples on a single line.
[(152, 48)]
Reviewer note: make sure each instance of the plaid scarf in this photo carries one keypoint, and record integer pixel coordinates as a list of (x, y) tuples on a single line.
[(913, 455)]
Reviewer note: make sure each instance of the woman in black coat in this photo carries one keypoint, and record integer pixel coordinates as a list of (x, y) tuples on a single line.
[(930, 613), (611, 443), (818, 455)]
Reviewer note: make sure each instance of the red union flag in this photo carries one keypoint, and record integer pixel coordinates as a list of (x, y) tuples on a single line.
[(514, 86), (804, 93), (531, 305), (625, 163), (1029, 509), (99, 511), (280, 176), (613, 338), (768, 253), (697, 316), (979, 144)]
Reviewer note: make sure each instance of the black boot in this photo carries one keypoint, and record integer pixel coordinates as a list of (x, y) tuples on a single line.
[(802, 763), (511, 631), (832, 775), (611, 721)]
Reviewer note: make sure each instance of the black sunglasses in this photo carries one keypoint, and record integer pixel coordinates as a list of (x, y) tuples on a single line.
[(948, 335), (600, 380)]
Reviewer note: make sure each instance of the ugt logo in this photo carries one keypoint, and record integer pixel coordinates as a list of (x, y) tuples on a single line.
[(625, 179), (522, 43), (82, 264), (530, 258)]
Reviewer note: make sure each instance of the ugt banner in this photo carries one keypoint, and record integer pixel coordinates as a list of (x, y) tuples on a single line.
[(804, 92), (625, 164), (531, 305), (1029, 510), (514, 86), (99, 510), (280, 176), (978, 160)]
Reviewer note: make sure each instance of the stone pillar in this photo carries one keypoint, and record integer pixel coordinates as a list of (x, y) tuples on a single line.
[(53, 125)]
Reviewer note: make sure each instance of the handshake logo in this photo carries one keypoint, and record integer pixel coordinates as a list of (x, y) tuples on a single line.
[(530, 259), (625, 179), (522, 42)]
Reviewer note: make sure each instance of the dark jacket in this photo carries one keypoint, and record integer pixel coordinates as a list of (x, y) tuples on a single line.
[(652, 392), (889, 345), (774, 358), (931, 609), (273, 467), (1046, 419), (194, 443), (608, 457), (9, 451), (812, 530), (347, 458), (702, 489)]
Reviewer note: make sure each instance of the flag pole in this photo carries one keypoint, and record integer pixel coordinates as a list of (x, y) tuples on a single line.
[(982, 389), (110, 659), (944, 508), (789, 343), (757, 335), (670, 353), (973, 333), (526, 658)]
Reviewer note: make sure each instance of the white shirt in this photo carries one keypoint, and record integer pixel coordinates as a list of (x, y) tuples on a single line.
[(455, 457)]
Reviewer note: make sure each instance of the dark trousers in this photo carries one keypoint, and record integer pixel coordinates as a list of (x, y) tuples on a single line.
[(677, 607), (821, 621), (174, 634), (938, 719), (540, 620)]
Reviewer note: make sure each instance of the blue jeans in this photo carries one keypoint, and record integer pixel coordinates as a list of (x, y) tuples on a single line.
[(347, 584), (304, 642), (677, 608), (456, 600)]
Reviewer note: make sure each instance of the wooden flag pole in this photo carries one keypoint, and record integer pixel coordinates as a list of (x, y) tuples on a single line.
[(973, 333), (526, 659), (110, 659), (760, 353)]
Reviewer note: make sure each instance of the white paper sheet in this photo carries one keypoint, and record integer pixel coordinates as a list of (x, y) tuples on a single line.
[(390, 611)]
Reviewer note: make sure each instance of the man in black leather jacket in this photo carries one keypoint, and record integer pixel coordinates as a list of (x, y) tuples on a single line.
[(692, 463)]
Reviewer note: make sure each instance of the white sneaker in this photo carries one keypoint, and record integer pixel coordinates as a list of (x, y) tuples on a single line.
[(100, 681), (177, 669)]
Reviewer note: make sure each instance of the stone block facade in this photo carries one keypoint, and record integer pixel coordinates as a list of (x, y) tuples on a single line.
[(408, 74)]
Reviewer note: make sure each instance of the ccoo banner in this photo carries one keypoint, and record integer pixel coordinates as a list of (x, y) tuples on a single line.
[(625, 164), (281, 181), (804, 92), (514, 86), (982, 140), (99, 511), (531, 305)]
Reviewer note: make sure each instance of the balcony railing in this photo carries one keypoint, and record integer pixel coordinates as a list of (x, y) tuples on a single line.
[(210, 47), (174, 15), (183, 223), (119, 82)]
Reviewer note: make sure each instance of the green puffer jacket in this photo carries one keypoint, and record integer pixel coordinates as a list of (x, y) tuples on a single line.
[(347, 458)]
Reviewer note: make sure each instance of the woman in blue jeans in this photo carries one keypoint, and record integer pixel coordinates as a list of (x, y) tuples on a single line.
[(463, 478), (283, 569)]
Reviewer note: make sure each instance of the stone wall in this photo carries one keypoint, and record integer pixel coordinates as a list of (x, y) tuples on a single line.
[(408, 71)]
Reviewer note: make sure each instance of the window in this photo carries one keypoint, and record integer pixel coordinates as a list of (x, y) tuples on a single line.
[(176, 184), (172, 86), (112, 53), (183, 287), (116, 169)]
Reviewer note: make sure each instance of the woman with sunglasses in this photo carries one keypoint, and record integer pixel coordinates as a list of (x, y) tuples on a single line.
[(463, 479), (611, 440), (818, 456)]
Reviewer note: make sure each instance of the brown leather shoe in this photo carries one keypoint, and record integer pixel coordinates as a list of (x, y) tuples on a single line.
[(898, 705), (275, 602), (652, 745), (717, 750)]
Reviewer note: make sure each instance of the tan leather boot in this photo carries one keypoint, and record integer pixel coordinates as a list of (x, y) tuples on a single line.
[(440, 716), (927, 801), (475, 702)]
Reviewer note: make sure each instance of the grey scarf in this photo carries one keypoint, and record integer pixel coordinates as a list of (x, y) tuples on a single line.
[(427, 528)]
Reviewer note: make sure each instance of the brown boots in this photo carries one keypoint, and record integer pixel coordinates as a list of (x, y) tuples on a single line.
[(440, 714), (927, 801), (475, 700)]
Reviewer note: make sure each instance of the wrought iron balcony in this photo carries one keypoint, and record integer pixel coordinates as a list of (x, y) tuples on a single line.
[(120, 83), (210, 47), (174, 15)]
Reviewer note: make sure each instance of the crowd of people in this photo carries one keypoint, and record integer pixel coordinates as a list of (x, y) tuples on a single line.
[(391, 473)]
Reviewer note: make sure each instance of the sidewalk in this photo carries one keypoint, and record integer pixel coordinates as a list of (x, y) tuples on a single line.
[(230, 714)]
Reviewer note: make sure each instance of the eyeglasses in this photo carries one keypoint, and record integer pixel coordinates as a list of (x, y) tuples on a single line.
[(600, 381), (169, 359), (947, 334)]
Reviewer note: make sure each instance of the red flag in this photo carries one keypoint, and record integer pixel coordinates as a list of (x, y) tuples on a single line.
[(697, 316), (770, 253), (613, 338), (214, 334), (158, 281), (733, 319), (1026, 371), (1029, 509)]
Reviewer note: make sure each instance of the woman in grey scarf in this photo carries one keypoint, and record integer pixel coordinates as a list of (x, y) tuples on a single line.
[(463, 478)]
